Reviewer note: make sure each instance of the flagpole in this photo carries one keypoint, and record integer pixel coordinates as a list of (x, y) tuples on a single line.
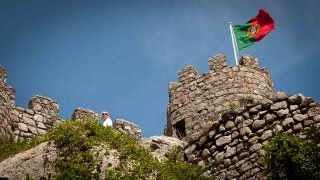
[(233, 43)]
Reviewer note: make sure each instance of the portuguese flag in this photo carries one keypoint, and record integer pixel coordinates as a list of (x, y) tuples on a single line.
[(254, 30)]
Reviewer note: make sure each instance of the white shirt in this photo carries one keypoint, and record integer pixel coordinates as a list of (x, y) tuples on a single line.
[(107, 122)]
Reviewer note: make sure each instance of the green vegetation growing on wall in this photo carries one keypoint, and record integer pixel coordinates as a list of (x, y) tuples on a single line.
[(76, 140), (289, 157)]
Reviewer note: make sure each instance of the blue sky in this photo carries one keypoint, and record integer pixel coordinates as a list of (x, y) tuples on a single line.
[(120, 55)]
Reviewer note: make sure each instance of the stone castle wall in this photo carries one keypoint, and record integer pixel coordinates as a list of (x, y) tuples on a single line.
[(41, 115), (233, 147), (196, 100), (19, 123)]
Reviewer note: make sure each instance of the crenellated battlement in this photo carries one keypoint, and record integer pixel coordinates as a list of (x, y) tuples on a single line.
[(19, 123), (82, 113), (196, 99), (41, 115), (249, 61), (44, 105), (188, 73), (217, 63)]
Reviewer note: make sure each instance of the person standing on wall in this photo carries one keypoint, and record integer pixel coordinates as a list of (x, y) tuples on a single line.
[(105, 116)]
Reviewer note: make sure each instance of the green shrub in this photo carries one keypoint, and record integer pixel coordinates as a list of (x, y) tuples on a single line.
[(289, 157), (75, 140)]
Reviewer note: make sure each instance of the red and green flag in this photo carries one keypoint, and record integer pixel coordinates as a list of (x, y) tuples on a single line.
[(254, 30)]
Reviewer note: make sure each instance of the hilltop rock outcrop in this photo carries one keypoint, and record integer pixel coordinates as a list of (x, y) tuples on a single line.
[(128, 128), (160, 146), (36, 163)]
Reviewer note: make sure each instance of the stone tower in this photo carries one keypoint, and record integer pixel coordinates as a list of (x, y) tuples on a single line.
[(195, 101)]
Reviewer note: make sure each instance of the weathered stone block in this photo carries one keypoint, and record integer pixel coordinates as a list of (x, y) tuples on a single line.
[(202, 141), (279, 105), (246, 166), (223, 140), (253, 110), (308, 123), (287, 122), (15, 118), (201, 164), (314, 111), (266, 135), (268, 118), (245, 131), (38, 117), (296, 99), (262, 152), (297, 127), (253, 140), (255, 148), (205, 153), (281, 96), (230, 125), (293, 108), (258, 124), (283, 112), (230, 151), (41, 125), (227, 162), (26, 135), (238, 120), (28, 121), (232, 174), (15, 112), (23, 127), (212, 133), (30, 111), (41, 131), (191, 158), (234, 143), (316, 118), (219, 157), (235, 135), (222, 129), (306, 101), (33, 130), (300, 117), (247, 122)]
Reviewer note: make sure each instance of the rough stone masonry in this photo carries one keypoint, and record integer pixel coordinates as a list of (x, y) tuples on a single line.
[(234, 144), (197, 100)]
